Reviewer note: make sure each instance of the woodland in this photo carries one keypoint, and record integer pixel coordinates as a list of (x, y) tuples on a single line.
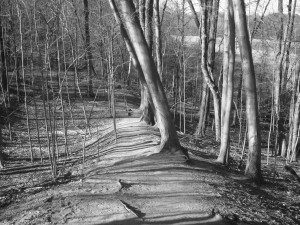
[(149, 112)]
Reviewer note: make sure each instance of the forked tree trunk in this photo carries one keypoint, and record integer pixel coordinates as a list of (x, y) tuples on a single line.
[(88, 53), (253, 166), (147, 112), (228, 71), (204, 103), (169, 139), (145, 18), (206, 70), (201, 126)]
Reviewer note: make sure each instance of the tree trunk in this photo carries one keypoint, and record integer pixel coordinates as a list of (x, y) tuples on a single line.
[(206, 71), (145, 17), (294, 117), (169, 139), (280, 31), (228, 71), (253, 166), (88, 53), (142, 13), (278, 74), (204, 106), (148, 23), (147, 112), (212, 35), (209, 54), (3, 62), (287, 55), (158, 45), (196, 19), (283, 50)]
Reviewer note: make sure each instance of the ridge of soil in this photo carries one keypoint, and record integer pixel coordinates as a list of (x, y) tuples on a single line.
[(124, 181)]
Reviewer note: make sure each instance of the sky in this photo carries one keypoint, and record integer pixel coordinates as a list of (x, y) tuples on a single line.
[(271, 8)]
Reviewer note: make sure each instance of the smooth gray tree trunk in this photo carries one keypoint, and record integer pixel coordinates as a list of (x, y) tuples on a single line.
[(169, 139), (228, 71), (253, 166)]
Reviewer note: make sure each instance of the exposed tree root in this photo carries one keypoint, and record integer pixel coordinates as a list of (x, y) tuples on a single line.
[(174, 149)]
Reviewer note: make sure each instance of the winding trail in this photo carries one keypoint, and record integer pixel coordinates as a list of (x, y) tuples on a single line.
[(128, 184)]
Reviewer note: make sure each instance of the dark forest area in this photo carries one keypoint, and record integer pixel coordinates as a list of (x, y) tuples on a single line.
[(149, 112)]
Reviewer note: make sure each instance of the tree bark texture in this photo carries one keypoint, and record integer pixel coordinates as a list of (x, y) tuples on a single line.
[(204, 110), (142, 13), (3, 61), (148, 23), (294, 122), (88, 53), (169, 139), (158, 45), (147, 111), (145, 18), (228, 71), (213, 34), (207, 73), (284, 49), (253, 166)]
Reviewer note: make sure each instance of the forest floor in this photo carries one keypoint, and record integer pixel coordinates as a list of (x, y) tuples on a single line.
[(123, 181)]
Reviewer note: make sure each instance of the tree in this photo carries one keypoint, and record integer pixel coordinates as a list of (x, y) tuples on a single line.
[(3, 61), (158, 45), (209, 40), (206, 69), (169, 139), (253, 166), (145, 17), (228, 71), (283, 51), (294, 122), (146, 111), (88, 50)]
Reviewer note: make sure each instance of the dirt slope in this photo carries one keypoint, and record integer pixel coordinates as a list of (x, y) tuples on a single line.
[(127, 186), (125, 182)]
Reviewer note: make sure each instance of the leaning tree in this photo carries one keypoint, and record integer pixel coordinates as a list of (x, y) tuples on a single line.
[(169, 139)]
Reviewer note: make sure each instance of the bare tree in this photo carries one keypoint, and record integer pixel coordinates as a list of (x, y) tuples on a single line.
[(157, 31), (282, 52), (145, 18), (228, 71), (208, 38), (88, 53), (253, 166), (207, 70), (294, 131), (3, 61), (169, 139)]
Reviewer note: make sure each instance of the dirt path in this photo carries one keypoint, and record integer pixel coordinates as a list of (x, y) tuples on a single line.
[(127, 184)]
